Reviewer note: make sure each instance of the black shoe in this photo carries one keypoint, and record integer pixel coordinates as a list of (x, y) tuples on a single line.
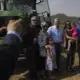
[(58, 70), (52, 78), (37, 78), (71, 69)]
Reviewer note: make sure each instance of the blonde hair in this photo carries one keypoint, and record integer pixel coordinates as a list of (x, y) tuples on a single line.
[(43, 24)]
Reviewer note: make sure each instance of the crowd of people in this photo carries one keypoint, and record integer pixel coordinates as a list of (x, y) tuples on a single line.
[(42, 45)]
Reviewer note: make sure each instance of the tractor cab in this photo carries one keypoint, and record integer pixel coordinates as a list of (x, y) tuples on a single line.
[(5, 16)]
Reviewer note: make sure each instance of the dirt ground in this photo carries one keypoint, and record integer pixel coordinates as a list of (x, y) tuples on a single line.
[(20, 72)]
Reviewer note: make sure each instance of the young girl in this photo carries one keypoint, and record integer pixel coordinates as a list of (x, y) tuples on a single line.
[(74, 33), (51, 57)]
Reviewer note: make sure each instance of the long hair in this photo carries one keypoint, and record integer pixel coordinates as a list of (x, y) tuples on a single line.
[(47, 41), (38, 21), (73, 23), (65, 27), (31, 15)]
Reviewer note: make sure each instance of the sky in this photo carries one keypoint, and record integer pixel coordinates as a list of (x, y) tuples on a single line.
[(68, 7)]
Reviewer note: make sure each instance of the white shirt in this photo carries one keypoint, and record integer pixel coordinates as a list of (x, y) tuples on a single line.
[(55, 33), (15, 33)]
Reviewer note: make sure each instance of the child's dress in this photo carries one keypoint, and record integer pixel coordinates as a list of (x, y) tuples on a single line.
[(73, 32), (51, 60)]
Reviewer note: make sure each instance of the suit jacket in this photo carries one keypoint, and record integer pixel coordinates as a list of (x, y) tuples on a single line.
[(12, 41), (9, 52)]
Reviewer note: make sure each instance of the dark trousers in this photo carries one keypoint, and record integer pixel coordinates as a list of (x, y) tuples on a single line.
[(6, 68), (58, 53), (42, 61), (32, 57), (5, 73), (71, 55), (79, 51)]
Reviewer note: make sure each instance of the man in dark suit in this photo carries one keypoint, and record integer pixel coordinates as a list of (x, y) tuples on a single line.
[(10, 49)]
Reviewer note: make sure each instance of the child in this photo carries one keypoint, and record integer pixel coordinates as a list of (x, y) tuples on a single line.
[(51, 57), (74, 34)]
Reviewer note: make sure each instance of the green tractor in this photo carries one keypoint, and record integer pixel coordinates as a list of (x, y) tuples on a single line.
[(5, 16)]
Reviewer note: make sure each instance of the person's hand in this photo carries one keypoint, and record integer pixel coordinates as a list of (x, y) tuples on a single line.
[(15, 25), (3, 28)]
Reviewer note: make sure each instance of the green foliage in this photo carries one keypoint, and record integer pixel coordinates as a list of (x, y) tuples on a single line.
[(12, 13), (1, 40)]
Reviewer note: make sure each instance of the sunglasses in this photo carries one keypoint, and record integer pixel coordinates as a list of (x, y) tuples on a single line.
[(33, 20)]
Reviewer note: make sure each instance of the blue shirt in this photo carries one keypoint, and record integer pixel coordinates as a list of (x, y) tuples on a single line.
[(78, 30), (55, 33)]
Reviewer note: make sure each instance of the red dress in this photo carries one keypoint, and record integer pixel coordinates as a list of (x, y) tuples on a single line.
[(73, 32)]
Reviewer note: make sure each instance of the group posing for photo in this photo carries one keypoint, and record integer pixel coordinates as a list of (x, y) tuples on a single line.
[(43, 47)]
